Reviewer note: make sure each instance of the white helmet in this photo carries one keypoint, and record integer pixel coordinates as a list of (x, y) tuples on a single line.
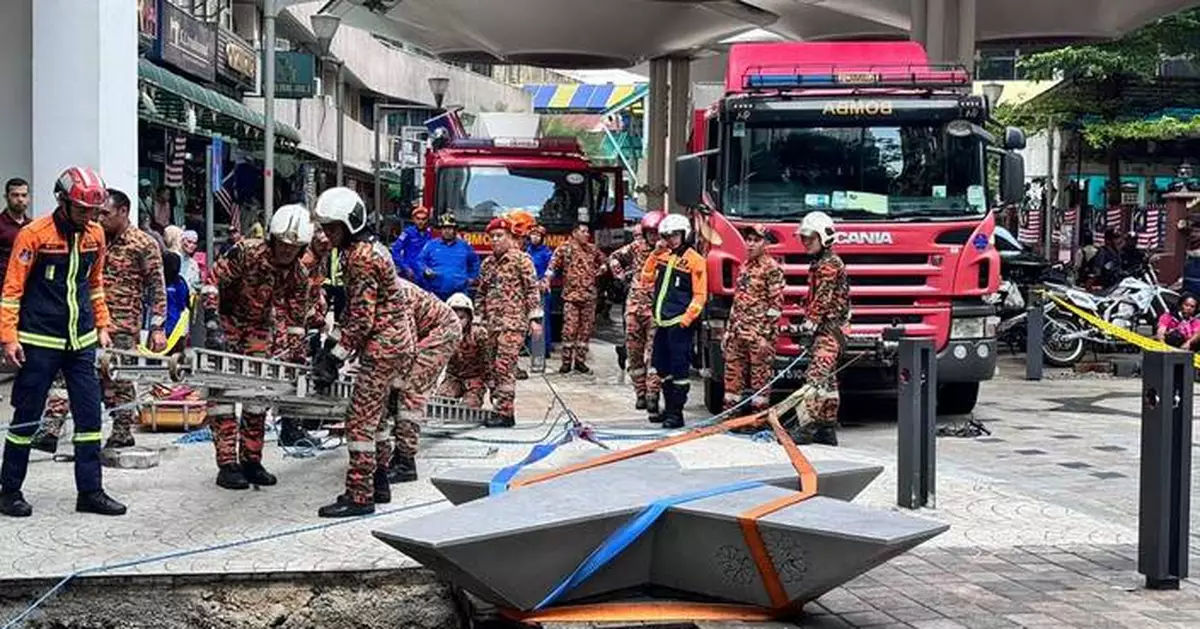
[(672, 223), (290, 224), (342, 205), (459, 301), (818, 223)]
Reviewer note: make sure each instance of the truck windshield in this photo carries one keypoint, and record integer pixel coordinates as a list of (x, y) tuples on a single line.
[(476, 194), (854, 173)]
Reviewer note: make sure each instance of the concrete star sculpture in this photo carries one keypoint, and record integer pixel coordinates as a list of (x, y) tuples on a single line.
[(551, 543)]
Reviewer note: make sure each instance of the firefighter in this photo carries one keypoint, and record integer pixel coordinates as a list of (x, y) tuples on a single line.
[(509, 303), (52, 316), (826, 316), (466, 373), (297, 334), (408, 246), (581, 262), (247, 291), (377, 328), (438, 332), (680, 287), (627, 262), (749, 342)]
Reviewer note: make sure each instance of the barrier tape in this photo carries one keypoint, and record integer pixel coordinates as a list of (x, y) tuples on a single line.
[(1118, 332)]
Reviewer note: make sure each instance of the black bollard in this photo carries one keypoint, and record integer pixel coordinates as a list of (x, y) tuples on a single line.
[(917, 397), (1035, 320), (1164, 497)]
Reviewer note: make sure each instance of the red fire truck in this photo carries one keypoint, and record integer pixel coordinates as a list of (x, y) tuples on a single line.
[(894, 149)]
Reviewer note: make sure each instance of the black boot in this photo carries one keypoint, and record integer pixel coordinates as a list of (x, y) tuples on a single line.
[(383, 488), (826, 434), (256, 474), (402, 469), (114, 443), (652, 411), (582, 368), (565, 368), (672, 407), (13, 504), (521, 374), (45, 442), (641, 403), (292, 434), (230, 477), (499, 421), (345, 508), (99, 503)]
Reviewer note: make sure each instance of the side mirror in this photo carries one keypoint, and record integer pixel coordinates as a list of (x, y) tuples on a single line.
[(1014, 139), (687, 182), (1012, 178)]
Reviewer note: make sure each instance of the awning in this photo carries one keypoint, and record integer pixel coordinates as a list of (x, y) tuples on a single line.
[(582, 97), (225, 115)]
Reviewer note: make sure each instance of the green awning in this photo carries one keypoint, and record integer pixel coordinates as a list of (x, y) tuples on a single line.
[(225, 114)]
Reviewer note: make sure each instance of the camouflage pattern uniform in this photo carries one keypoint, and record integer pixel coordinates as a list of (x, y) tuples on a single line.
[(377, 326), (291, 341), (749, 343), (508, 298), (248, 290), (581, 265), (627, 263), (828, 309), (132, 269), (437, 332), (467, 371)]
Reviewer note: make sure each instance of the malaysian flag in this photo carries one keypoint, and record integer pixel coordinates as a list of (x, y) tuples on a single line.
[(1030, 228), (1104, 220), (176, 155), (231, 208), (1147, 224)]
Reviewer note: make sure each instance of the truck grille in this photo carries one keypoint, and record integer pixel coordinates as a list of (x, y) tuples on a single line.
[(867, 280), (865, 258)]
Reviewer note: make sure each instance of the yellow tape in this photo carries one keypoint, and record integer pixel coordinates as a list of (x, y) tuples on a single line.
[(1116, 331)]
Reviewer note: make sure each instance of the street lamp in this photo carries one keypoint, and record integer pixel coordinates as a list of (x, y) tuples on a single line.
[(439, 85), (992, 92), (325, 27)]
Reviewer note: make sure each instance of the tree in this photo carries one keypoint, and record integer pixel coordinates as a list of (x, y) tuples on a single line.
[(1109, 92)]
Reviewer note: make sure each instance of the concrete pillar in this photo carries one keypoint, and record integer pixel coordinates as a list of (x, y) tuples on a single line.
[(16, 72), (681, 113), (918, 22), (935, 30), (966, 34), (83, 93), (656, 136)]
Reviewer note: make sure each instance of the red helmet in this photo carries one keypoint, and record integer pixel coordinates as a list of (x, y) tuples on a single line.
[(651, 220), (82, 186)]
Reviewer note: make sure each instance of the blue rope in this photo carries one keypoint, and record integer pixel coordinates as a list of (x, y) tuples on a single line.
[(12, 623)]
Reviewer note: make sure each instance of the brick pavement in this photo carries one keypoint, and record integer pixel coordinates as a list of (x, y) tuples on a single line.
[(1042, 513)]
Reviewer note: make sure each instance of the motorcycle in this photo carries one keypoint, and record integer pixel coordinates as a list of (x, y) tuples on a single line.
[(1011, 305), (1135, 300)]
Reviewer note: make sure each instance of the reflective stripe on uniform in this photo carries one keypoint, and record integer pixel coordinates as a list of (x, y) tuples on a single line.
[(73, 291), (662, 294), (360, 446), (54, 342), (18, 440), (11, 304), (87, 437)]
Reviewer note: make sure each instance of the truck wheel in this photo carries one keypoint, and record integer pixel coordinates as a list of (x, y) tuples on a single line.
[(957, 398)]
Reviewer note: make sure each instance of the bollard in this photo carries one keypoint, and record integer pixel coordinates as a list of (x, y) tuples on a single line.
[(1035, 320), (917, 397), (1164, 497)]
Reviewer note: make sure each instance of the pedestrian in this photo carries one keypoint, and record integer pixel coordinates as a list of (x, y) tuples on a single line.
[(826, 318), (447, 264), (749, 342), (132, 269), (246, 289), (14, 217), (378, 329), (1181, 327), (627, 263), (467, 371), (509, 303), (179, 299), (52, 316), (192, 270), (438, 332), (410, 243), (581, 263), (680, 287)]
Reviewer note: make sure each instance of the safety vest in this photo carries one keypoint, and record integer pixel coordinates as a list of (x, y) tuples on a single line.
[(334, 276)]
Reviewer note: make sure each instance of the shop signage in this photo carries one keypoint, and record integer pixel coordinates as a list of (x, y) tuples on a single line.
[(236, 60), (186, 43), (295, 74), (147, 11)]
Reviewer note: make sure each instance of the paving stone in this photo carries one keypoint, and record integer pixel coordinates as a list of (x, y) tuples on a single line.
[(873, 618)]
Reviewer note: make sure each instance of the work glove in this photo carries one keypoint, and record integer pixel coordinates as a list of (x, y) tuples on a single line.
[(325, 370), (214, 336), (808, 328)]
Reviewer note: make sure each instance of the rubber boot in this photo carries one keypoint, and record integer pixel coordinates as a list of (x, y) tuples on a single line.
[(383, 488), (401, 469), (344, 507), (292, 434), (255, 474), (12, 504), (115, 444), (230, 477), (652, 411), (673, 407), (582, 368), (99, 503)]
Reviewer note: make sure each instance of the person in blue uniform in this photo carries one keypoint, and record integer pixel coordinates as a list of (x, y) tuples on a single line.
[(447, 264), (408, 246)]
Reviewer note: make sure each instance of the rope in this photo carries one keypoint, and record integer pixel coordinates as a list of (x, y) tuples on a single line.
[(13, 622)]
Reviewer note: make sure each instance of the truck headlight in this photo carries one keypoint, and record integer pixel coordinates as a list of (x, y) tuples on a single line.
[(968, 328)]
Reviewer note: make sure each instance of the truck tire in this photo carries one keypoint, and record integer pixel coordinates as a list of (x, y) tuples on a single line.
[(957, 398), (714, 382)]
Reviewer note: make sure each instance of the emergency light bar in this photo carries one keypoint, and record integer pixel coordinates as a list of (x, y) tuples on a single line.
[(549, 144), (794, 77)]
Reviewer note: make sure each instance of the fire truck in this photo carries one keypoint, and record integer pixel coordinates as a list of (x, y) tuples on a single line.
[(895, 150)]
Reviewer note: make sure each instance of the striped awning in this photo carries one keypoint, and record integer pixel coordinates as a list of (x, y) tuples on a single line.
[(582, 97)]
